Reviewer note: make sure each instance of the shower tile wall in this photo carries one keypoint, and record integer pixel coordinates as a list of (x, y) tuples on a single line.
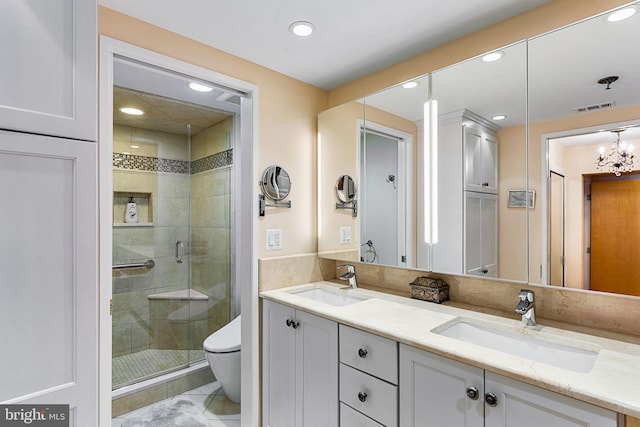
[(138, 322)]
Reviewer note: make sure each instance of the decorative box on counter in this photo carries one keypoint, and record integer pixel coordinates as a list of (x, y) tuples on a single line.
[(432, 290)]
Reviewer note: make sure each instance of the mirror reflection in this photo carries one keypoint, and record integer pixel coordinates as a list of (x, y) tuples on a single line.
[(345, 189), (275, 183), (548, 91), (583, 88)]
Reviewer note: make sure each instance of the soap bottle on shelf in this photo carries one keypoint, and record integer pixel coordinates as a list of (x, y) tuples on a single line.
[(131, 214)]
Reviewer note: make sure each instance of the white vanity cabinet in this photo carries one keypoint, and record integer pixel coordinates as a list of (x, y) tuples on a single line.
[(300, 368), (49, 67), (436, 391), (480, 156), (368, 379)]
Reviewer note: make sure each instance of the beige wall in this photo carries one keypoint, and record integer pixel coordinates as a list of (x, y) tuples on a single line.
[(287, 113)]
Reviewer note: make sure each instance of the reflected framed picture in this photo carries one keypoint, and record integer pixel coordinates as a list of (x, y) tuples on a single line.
[(519, 199)]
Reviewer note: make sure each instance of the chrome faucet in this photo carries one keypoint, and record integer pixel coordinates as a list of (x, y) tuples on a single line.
[(350, 275), (525, 308)]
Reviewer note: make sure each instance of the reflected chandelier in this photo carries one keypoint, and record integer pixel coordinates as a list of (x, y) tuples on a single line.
[(619, 159)]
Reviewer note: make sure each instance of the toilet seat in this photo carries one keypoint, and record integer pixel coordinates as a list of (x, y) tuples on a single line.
[(224, 340)]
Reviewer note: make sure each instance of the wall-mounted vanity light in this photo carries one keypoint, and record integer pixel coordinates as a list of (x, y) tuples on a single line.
[(346, 194), (275, 185)]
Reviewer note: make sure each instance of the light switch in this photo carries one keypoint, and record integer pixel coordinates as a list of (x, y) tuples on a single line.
[(345, 235), (274, 239)]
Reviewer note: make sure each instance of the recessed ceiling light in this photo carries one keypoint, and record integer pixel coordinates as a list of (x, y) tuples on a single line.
[(134, 146), (132, 111), (499, 117), (410, 85), (493, 56), (302, 28), (200, 87), (622, 14)]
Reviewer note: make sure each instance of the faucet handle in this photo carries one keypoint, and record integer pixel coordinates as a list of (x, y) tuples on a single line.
[(526, 295), (350, 268)]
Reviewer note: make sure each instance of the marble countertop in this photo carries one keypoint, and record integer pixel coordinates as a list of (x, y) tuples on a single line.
[(612, 383)]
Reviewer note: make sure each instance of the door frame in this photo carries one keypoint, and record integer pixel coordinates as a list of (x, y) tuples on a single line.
[(246, 265), (406, 232)]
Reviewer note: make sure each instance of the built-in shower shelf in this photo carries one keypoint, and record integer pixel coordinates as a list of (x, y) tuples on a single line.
[(183, 294), (143, 204)]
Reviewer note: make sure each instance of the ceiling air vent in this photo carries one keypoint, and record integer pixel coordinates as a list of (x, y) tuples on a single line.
[(593, 107)]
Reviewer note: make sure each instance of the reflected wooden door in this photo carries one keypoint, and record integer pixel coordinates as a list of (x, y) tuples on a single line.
[(615, 235)]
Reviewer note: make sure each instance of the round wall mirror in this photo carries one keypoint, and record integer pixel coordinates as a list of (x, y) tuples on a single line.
[(275, 183), (346, 189)]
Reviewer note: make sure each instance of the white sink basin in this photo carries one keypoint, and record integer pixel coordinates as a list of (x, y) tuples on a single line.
[(528, 345), (329, 296)]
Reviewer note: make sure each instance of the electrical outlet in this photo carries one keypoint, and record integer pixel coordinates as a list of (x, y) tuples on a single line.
[(345, 235), (274, 239)]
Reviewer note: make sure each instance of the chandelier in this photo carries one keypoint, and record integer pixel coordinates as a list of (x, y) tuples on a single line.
[(619, 159)]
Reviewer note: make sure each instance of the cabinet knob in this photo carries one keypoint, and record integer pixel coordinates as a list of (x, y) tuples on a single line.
[(472, 393), (362, 396), (485, 184), (491, 399), (484, 271), (362, 352), (292, 323)]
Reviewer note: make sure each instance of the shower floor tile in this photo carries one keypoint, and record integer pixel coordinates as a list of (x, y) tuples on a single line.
[(145, 364), (207, 406)]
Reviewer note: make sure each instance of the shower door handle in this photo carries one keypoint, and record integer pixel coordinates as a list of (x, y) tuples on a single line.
[(179, 252)]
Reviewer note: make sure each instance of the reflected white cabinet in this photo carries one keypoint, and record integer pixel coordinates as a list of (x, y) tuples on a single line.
[(480, 159), (481, 234), (468, 163), (300, 368), (435, 391), (49, 67)]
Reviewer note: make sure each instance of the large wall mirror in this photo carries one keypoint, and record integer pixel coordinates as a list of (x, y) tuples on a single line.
[(494, 211), (584, 85)]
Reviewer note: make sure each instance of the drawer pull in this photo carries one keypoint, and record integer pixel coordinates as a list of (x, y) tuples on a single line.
[(362, 396), (362, 353), (293, 323), (491, 399), (472, 393)]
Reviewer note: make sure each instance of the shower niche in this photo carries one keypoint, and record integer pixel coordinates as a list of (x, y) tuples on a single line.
[(144, 207)]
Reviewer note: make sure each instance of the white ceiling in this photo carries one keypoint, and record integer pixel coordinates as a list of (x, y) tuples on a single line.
[(353, 37)]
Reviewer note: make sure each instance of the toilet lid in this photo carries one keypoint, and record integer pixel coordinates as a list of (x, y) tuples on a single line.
[(225, 339)]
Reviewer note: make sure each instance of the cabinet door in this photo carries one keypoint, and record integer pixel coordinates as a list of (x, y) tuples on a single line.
[(317, 371), (480, 160), (523, 405), (48, 274), (278, 365), (481, 234), (433, 391), (48, 71)]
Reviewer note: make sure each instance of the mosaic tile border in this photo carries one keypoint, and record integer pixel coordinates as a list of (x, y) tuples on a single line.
[(153, 164)]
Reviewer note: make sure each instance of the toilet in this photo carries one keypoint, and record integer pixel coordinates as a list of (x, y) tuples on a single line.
[(222, 349)]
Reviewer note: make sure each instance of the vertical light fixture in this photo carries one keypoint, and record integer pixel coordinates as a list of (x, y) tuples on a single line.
[(319, 185), (430, 171)]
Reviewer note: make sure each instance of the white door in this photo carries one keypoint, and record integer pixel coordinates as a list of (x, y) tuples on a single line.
[(381, 209), (480, 234), (48, 274), (438, 392), (523, 405), (48, 72)]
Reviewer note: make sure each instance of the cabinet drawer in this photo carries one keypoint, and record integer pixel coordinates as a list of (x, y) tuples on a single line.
[(349, 417), (370, 353), (369, 395)]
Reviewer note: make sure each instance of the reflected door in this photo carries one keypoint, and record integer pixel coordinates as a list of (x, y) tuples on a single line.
[(556, 229), (615, 232)]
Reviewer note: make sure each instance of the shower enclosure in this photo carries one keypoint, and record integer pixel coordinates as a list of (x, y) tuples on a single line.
[(172, 268)]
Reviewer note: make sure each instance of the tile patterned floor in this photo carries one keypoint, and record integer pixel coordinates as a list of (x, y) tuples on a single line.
[(209, 398), (131, 368)]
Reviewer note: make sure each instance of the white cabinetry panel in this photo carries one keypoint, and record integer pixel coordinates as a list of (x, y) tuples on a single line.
[(48, 70), (48, 272)]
